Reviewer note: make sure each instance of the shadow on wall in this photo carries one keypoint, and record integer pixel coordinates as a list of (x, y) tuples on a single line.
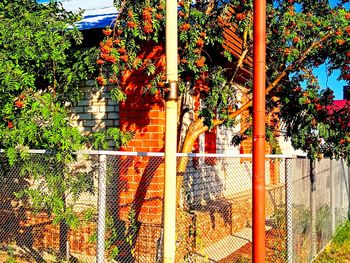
[(131, 199), (141, 106)]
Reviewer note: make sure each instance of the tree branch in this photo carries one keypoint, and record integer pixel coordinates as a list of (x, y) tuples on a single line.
[(198, 127)]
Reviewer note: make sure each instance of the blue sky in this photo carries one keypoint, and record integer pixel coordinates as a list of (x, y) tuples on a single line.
[(331, 81)]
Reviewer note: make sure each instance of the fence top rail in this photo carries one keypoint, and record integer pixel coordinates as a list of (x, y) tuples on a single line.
[(161, 154)]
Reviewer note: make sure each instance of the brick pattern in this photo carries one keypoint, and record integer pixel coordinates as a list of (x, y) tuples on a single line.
[(96, 110), (145, 115), (38, 231)]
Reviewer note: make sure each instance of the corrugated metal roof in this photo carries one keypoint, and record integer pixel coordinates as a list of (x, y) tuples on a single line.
[(97, 13)]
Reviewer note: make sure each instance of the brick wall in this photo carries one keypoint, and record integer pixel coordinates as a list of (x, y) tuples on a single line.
[(144, 176), (38, 231), (95, 110)]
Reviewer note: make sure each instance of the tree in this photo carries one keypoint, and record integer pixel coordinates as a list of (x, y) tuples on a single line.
[(41, 66), (302, 34)]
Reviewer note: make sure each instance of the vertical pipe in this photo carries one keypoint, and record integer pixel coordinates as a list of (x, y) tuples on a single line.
[(289, 207), (101, 217), (169, 220), (259, 62)]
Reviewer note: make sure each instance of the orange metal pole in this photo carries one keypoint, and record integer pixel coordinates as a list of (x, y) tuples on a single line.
[(259, 78)]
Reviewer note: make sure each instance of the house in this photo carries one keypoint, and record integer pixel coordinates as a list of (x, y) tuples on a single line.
[(146, 116)]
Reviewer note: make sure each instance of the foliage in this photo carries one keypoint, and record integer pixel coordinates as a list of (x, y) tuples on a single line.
[(41, 66), (339, 249), (301, 35)]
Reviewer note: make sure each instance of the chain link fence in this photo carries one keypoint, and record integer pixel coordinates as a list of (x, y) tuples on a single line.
[(217, 201), (319, 208), (107, 207)]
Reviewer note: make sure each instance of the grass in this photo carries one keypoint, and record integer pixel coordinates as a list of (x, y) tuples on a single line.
[(339, 249)]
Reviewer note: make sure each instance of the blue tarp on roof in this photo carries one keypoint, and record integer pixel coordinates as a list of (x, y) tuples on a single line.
[(97, 13)]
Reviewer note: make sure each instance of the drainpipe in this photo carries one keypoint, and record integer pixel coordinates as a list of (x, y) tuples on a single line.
[(259, 79), (169, 220)]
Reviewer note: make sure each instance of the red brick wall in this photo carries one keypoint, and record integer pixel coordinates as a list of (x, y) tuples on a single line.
[(38, 231), (145, 115)]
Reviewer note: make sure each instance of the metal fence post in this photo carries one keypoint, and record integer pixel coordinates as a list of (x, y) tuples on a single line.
[(348, 192), (347, 186), (101, 220), (313, 208), (289, 207), (332, 195)]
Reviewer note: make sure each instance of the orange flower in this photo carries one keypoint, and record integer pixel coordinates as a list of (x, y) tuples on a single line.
[(200, 62), (296, 39), (101, 81), (184, 61), (161, 84), (104, 56), (347, 29), (185, 27), (109, 42), (107, 32), (122, 50), (159, 16), (181, 14), (146, 14), (200, 42), (111, 59), (10, 124), (147, 28), (338, 33), (106, 49), (124, 58), (19, 104), (240, 16), (130, 14), (100, 62), (131, 24), (113, 80), (341, 41)]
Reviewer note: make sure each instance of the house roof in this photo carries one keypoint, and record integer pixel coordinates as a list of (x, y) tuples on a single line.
[(97, 14), (338, 104)]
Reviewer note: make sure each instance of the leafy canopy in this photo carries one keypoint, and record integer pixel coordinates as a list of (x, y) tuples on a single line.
[(301, 35), (41, 66)]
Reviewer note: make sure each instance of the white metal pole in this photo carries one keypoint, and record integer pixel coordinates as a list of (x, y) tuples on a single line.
[(169, 240)]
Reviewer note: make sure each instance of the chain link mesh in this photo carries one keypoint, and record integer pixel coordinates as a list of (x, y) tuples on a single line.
[(40, 222), (330, 201), (217, 205)]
